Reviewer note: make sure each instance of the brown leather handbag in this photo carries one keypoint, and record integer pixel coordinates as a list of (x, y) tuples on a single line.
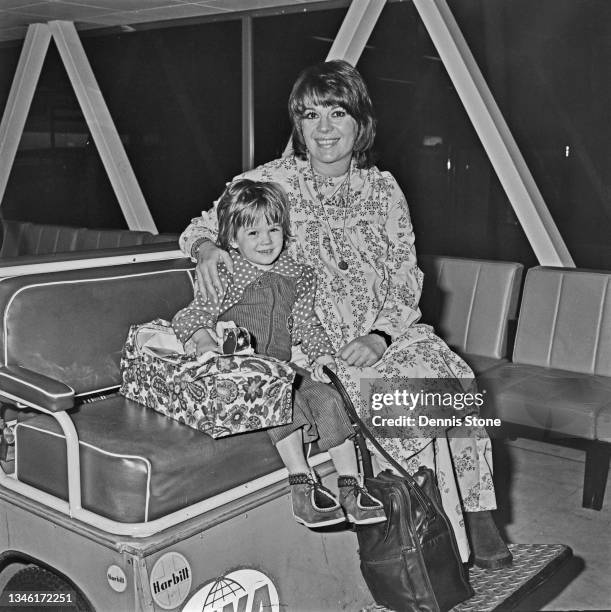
[(410, 562)]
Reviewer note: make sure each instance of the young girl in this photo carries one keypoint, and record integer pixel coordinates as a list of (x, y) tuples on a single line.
[(272, 296)]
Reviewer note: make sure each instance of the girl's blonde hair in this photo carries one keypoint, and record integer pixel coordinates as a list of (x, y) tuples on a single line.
[(244, 202)]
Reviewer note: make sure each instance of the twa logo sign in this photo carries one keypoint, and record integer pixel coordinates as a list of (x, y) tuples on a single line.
[(245, 590)]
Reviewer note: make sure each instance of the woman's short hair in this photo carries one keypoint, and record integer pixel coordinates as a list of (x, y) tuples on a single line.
[(334, 83), (244, 202)]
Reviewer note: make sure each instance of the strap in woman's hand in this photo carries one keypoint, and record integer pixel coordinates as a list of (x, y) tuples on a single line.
[(366, 432)]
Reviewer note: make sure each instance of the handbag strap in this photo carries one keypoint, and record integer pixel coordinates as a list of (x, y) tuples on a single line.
[(364, 432)]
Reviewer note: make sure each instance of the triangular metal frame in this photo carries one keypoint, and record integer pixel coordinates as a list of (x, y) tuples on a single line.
[(501, 148), (485, 115), (499, 144), (96, 113)]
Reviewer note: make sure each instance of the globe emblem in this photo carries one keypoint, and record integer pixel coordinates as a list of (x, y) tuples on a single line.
[(222, 588)]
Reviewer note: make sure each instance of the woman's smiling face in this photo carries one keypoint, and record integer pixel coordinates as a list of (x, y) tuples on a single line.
[(329, 133)]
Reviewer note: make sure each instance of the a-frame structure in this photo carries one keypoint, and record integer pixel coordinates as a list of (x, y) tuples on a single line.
[(361, 17), (93, 106)]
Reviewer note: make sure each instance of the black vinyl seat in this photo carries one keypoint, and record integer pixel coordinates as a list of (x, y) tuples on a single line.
[(138, 465)]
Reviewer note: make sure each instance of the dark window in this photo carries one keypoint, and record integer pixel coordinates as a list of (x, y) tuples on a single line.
[(175, 97)]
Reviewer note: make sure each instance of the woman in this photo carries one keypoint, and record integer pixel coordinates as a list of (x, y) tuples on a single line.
[(351, 223)]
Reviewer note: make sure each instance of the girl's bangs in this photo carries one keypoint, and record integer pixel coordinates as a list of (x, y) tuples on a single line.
[(258, 212)]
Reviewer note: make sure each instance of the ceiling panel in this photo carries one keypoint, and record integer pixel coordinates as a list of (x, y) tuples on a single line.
[(240, 5), (55, 10), (162, 13), (116, 6), (10, 4), (16, 15), (11, 20)]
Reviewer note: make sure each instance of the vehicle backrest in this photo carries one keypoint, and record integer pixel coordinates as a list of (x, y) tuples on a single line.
[(24, 238), (565, 320), (470, 302), (71, 325)]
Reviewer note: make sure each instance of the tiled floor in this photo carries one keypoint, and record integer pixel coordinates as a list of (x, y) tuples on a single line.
[(544, 482)]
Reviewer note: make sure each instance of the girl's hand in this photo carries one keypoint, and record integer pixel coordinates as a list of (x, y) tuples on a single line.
[(324, 360), (363, 351), (208, 258)]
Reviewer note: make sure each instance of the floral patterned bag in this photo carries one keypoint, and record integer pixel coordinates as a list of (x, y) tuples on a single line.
[(221, 395)]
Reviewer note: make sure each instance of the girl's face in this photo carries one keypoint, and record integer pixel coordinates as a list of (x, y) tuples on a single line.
[(261, 244), (329, 133)]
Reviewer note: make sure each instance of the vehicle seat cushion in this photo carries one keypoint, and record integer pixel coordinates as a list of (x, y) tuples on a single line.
[(138, 465), (603, 425), (544, 398), (480, 363), (470, 302), (565, 321), (78, 320)]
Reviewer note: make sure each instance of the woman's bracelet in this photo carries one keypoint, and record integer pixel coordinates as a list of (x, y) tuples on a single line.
[(386, 337), (195, 247)]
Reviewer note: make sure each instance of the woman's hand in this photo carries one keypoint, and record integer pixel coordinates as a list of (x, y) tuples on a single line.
[(208, 258), (363, 351), (324, 360)]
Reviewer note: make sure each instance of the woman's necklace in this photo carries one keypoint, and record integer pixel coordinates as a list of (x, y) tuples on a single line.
[(342, 264)]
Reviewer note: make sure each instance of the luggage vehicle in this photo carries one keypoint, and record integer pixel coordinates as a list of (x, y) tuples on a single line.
[(97, 512)]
